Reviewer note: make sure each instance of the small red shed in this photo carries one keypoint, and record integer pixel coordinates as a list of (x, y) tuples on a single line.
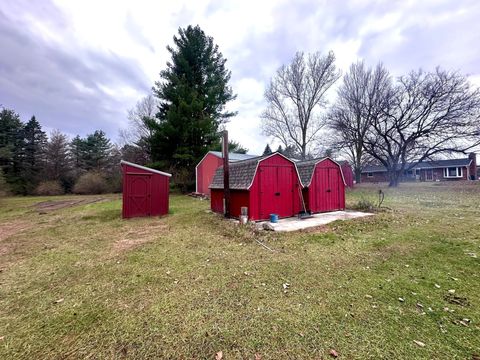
[(324, 185), (145, 191), (347, 173), (265, 185), (205, 169)]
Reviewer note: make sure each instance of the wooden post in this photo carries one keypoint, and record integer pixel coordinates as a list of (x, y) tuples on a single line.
[(226, 174)]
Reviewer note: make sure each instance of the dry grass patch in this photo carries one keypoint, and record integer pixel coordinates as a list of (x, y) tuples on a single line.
[(134, 236), (13, 228)]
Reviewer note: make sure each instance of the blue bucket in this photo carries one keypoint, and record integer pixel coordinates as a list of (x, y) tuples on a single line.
[(273, 218)]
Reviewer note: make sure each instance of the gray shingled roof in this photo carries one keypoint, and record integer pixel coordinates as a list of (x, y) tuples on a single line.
[(233, 156), (241, 174), (305, 170), (434, 164)]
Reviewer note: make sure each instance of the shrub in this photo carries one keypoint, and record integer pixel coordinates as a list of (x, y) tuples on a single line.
[(90, 183), (364, 204), (49, 188)]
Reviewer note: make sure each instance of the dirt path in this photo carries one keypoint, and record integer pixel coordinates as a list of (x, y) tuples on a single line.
[(51, 205), (12, 228)]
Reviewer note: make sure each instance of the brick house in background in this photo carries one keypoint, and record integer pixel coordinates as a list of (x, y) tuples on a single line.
[(435, 170)]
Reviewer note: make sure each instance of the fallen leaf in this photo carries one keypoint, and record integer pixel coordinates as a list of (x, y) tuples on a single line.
[(451, 291), (401, 299), (258, 357), (286, 286), (333, 353), (59, 301), (219, 355), (2, 337), (419, 343), (437, 286)]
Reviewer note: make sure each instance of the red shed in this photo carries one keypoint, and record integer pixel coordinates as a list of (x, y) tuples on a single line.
[(145, 191), (205, 169), (324, 185), (265, 185), (347, 173)]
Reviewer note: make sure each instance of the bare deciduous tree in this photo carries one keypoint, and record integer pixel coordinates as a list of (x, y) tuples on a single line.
[(423, 115), (138, 133), (358, 99), (295, 96)]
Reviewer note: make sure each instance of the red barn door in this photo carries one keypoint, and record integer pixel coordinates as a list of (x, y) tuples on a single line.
[(139, 195), (276, 191), (328, 195)]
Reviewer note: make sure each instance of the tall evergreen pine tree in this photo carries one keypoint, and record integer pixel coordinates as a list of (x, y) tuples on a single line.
[(12, 145), (192, 92), (267, 150), (34, 154)]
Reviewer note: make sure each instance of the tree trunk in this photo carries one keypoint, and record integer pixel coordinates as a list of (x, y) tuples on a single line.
[(358, 174), (394, 176)]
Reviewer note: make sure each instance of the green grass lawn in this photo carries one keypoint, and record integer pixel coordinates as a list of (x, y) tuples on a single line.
[(80, 282)]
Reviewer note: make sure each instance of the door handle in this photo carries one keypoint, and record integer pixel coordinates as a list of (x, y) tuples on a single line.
[(328, 190), (277, 194)]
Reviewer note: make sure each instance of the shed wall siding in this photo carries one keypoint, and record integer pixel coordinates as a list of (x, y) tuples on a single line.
[(263, 200), (151, 200), (205, 171), (238, 199), (327, 190), (348, 174)]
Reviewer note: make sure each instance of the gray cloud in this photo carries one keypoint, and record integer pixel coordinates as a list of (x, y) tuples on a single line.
[(78, 89), (64, 90)]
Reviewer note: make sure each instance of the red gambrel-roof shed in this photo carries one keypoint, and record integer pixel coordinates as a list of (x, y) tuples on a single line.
[(265, 185), (206, 168), (324, 185), (347, 171), (145, 191)]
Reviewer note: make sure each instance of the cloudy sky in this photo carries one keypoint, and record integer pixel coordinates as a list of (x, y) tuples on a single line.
[(80, 65)]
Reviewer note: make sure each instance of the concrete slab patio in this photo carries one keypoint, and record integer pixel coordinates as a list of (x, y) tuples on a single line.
[(293, 223)]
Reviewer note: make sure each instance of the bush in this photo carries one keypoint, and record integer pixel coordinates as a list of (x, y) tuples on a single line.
[(364, 205), (49, 188), (90, 183)]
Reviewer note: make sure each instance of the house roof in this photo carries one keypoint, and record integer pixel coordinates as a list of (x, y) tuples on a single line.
[(434, 164), (123, 162), (241, 173), (306, 169), (233, 156)]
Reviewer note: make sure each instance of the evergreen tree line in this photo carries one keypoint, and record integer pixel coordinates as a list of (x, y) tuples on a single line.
[(33, 163)]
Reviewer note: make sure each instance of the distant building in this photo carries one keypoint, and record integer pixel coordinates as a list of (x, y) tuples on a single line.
[(435, 170), (347, 173)]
